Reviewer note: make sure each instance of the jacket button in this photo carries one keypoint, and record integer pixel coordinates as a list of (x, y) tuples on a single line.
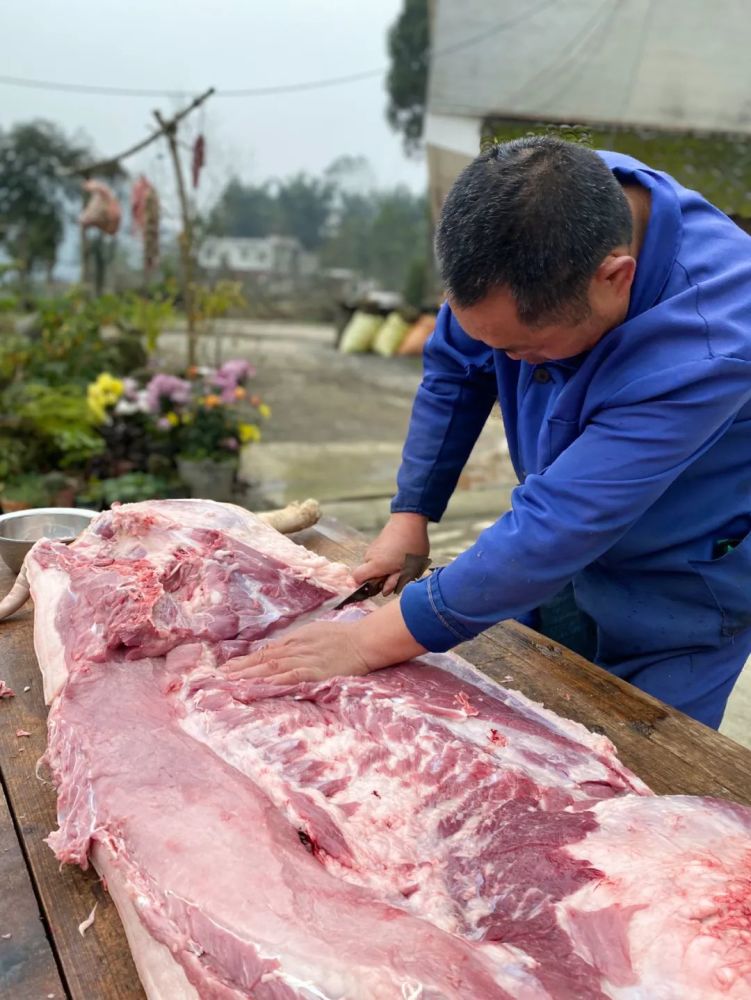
[(541, 375)]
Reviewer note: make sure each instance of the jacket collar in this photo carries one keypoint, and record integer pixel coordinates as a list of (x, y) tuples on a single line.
[(663, 236)]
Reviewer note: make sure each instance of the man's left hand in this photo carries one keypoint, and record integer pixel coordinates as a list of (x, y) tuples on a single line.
[(314, 652), (322, 650)]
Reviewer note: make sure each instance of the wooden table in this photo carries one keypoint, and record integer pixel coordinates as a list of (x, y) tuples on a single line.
[(41, 907)]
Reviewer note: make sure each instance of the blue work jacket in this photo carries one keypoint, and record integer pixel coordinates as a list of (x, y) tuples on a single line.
[(634, 458)]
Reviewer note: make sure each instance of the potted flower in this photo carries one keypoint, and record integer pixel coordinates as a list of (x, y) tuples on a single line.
[(206, 417), (24, 492)]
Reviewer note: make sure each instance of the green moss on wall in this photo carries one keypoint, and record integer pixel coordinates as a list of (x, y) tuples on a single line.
[(719, 167)]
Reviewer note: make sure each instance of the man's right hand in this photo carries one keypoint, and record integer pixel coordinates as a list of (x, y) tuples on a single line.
[(404, 534)]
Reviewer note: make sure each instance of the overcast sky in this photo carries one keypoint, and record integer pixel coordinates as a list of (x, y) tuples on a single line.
[(189, 45)]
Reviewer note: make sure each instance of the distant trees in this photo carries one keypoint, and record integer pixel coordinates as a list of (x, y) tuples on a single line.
[(407, 81), (382, 234), (33, 192), (299, 206)]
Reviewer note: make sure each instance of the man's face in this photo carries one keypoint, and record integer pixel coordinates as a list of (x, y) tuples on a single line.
[(495, 321)]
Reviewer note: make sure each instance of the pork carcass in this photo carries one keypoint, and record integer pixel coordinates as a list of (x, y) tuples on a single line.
[(418, 834)]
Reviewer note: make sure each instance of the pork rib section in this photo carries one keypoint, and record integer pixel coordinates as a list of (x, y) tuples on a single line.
[(418, 834)]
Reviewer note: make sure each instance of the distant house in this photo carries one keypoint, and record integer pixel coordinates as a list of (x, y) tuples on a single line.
[(273, 257), (667, 82)]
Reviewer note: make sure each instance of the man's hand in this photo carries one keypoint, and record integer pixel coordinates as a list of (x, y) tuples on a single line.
[(323, 650), (403, 534)]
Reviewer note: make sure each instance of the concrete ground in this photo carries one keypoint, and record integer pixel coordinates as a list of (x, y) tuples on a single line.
[(337, 427)]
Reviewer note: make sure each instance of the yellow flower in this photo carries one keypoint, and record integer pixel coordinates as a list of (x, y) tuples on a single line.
[(172, 419), (240, 392), (110, 386), (102, 394), (187, 418), (211, 401), (248, 432), (265, 410), (96, 410)]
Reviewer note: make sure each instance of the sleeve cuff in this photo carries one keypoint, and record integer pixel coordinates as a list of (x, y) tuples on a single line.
[(404, 505), (427, 617)]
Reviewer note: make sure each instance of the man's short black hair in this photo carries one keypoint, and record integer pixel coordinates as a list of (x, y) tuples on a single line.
[(536, 216)]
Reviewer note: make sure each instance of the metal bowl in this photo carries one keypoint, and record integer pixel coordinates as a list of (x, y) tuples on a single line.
[(20, 529)]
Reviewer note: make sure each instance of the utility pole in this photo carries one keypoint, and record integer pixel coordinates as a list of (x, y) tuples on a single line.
[(186, 236), (168, 129)]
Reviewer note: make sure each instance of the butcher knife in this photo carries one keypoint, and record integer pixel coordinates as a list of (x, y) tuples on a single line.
[(414, 567)]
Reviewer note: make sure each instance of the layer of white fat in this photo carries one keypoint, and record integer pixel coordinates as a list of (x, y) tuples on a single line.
[(163, 978), (48, 588), (557, 772), (525, 706)]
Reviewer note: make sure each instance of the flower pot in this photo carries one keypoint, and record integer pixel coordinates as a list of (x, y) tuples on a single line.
[(11, 506), (65, 497), (208, 479)]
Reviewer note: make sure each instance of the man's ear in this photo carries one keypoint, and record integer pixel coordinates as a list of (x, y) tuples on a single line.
[(615, 275)]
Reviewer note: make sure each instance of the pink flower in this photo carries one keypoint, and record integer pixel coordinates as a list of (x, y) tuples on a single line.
[(237, 370), (227, 378), (230, 443), (176, 390), (163, 424), (227, 393)]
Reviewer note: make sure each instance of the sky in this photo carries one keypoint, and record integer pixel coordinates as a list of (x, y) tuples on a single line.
[(189, 45)]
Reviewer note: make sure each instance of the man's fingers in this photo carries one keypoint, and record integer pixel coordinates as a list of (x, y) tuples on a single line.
[(388, 587), (240, 662), (272, 650), (264, 669), (268, 660), (295, 676), (366, 571)]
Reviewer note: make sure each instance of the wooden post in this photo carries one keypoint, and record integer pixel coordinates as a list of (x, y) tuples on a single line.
[(186, 236), (167, 128)]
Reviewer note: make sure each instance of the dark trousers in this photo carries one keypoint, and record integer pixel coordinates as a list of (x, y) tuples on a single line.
[(698, 682)]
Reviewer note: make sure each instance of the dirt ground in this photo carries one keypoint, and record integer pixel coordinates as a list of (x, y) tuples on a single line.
[(336, 432)]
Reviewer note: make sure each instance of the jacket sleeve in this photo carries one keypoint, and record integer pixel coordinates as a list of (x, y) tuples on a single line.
[(570, 515), (452, 404)]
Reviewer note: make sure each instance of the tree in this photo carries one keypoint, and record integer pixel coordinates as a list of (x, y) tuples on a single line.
[(243, 210), (398, 234), (34, 191), (298, 206), (303, 207), (382, 235), (407, 80), (348, 241)]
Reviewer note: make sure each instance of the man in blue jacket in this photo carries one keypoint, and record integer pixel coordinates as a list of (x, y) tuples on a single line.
[(608, 310)]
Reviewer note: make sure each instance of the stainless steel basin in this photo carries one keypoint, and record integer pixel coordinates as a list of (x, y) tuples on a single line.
[(20, 529)]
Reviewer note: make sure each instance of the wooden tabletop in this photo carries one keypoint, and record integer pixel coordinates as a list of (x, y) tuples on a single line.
[(41, 907)]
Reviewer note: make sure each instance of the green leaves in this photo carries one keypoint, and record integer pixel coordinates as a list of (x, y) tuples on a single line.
[(33, 191), (59, 418), (407, 81), (718, 166), (298, 206)]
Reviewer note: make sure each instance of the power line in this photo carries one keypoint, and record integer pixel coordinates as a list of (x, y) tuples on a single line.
[(284, 88), (84, 88), (165, 128)]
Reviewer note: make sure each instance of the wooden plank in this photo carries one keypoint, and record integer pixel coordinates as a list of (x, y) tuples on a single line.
[(27, 964), (97, 966), (671, 752)]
